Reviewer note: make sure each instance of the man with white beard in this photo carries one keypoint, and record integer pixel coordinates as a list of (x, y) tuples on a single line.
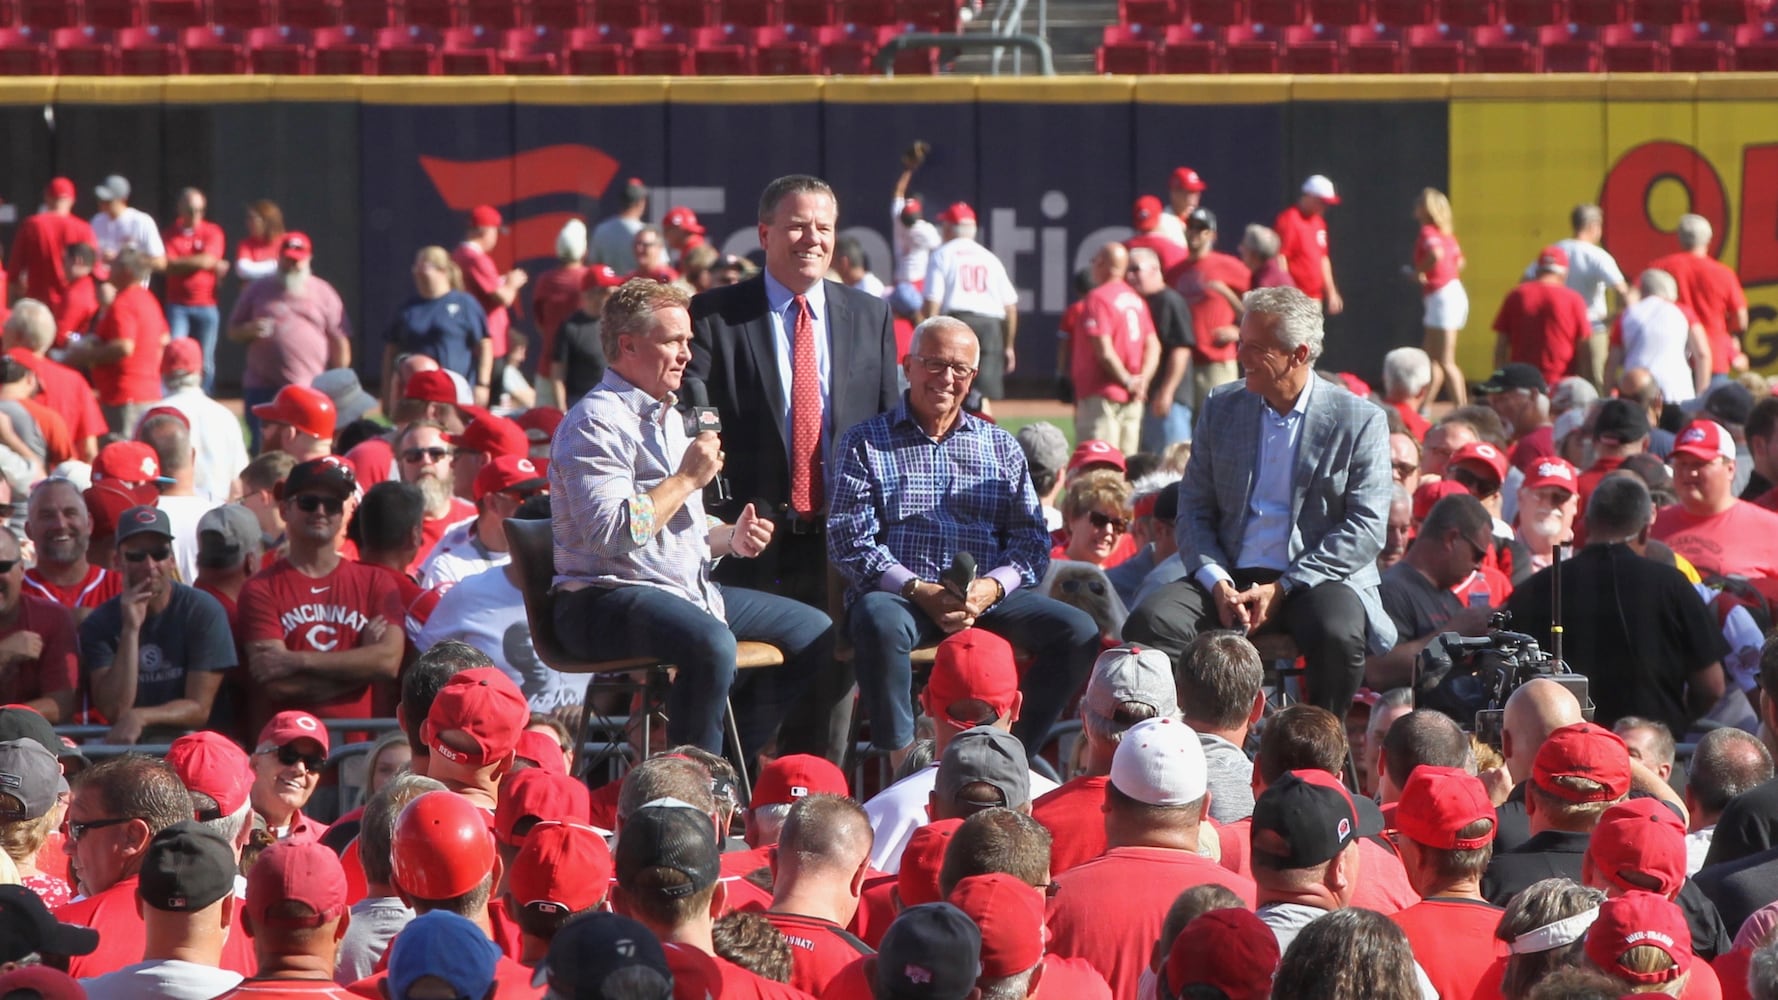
[(1547, 505), (424, 458), (294, 325)]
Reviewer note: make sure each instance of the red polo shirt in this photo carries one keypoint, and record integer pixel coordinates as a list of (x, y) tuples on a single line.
[(193, 288), (134, 316), (121, 936)]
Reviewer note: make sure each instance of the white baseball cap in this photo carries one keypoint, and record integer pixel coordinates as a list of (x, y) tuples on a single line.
[(1319, 186), (1160, 762)]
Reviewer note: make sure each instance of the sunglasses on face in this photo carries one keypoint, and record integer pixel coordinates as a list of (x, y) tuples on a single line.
[(6, 565), (1096, 587), (158, 555), (75, 831), (523, 495), (309, 503), (1482, 488), (413, 455), (1101, 520), (288, 755)]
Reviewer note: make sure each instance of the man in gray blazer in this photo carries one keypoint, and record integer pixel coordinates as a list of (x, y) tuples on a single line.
[(1282, 509)]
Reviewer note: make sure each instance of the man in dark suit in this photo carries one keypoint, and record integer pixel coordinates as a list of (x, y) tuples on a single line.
[(1282, 509), (792, 361)]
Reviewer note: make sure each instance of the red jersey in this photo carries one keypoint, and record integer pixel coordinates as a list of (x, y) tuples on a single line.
[(819, 949), (292, 989), (1450, 257), (1543, 324), (1714, 294), (136, 317), (1109, 910), (1302, 243), (95, 588), (65, 391), (316, 614), (1273, 274), (193, 288), (482, 279), (433, 528), (80, 303), (37, 251), (555, 296), (1112, 310), (1740, 541), (1074, 814), (58, 668), (1169, 252), (1416, 424), (121, 935), (1211, 311), (1453, 940)]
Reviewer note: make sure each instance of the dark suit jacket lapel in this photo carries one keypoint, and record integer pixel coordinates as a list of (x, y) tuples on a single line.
[(756, 334), (840, 350), (1318, 427)]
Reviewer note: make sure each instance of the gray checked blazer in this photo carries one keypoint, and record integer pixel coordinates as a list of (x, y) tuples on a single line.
[(1340, 492)]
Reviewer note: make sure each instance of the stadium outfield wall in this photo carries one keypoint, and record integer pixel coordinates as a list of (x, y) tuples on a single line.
[(375, 168)]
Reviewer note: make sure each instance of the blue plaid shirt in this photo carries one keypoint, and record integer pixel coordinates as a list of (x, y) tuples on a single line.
[(902, 505)]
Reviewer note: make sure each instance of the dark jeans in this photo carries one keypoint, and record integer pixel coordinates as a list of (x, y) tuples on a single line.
[(886, 628), (1327, 622), (612, 624)]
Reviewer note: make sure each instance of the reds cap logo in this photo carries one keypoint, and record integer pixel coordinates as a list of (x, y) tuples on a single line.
[(145, 516), (149, 468), (1692, 435), (526, 466), (1554, 469), (307, 722), (1486, 451)]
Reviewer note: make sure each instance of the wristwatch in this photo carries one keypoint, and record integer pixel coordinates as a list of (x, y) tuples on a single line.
[(907, 589), (1285, 587)]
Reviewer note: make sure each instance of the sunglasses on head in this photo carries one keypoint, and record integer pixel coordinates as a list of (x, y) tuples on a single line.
[(1102, 520), (425, 454), (288, 755), (309, 503), (158, 555)]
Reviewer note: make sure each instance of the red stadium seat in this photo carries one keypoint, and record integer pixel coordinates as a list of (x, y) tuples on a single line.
[(1404, 13), (310, 13), (1468, 13), (1153, 14), (243, 14), (1597, 13), (1502, 48), (1728, 12), (149, 52), (929, 15), (1311, 49), (872, 13), (1250, 48), (1340, 13), (469, 52), (48, 15), (23, 52), (1570, 48), (597, 51), (684, 14), (1756, 47), (83, 52), (846, 49), (1535, 13), (343, 50), (282, 50), (407, 51), (436, 14), (808, 13), (178, 13), (561, 15), (1663, 13), (624, 13), (213, 50), (749, 13), (496, 15), (1632, 48), (530, 52), (721, 50), (1191, 48), (783, 50), (1127, 49), (368, 14), (1373, 48), (1218, 13), (1434, 48), (659, 50), (114, 14), (1699, 48), (1277, 13)]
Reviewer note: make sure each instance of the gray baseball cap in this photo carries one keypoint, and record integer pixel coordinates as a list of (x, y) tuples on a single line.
[(115, 187), (987, 755), (30, 774), (1046, 449), (225, 535), (1131, 674), (350, 401)]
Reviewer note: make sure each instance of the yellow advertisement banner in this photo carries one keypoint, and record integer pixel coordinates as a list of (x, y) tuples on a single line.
[(1518, 168)]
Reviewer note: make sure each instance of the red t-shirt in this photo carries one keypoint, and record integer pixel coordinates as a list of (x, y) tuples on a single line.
[(1741, 541), (1416, 424), (512, 981), (121, 935), (1273, 274), (481, 279), (1453, 939), (95, 588), (58, 442), (1210, 310), (1302, 243), (58, 668), (193, 288), (1074, 814), (134, 316), (876, 911), (1109, 910), (1543, 324), (432, 529), (1731, 968), (317, 614), (1486, 587), (80, 303), (555, 296), (293, 989), (373, 461), (67, 392), (1450, 257), (692, 970), (819, 949), (1168, 251), (603, 813), (1112, 310), (37, 250), (1714, 294)]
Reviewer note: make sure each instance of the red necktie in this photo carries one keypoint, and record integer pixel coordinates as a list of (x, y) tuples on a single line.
[(805, 414)]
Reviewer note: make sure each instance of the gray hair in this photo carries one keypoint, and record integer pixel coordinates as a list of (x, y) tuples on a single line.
[(1694, 232), (132, 261), (1584, 216), (943, 323), (1407, 370), (1762, 973), (964, 229), (764, 822), (1298, 317), (1014, 987), (1399, 496), (571, 242), (34, 324), (786, 186), (1727, 763), (1659, 284), (229, 827), (1262, 240)]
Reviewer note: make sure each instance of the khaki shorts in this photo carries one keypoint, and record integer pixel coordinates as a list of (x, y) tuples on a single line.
[(1207, 376), (1117, 424)]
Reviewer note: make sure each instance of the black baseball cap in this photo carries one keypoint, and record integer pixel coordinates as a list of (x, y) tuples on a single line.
[(1201, 218), (144, 520), (26, 927), (1620, 420), (590, 948), (1301, 820), (20, 723), (1729, 403), (931, 952), (186, 868), (1514, 376), (329, 474), (670, 834)]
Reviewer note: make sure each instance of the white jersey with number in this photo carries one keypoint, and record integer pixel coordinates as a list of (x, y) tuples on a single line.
[(966, 277), (913, 244)]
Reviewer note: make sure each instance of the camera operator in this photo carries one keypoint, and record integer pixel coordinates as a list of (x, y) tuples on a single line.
[(1417, 591), (1637, 629)]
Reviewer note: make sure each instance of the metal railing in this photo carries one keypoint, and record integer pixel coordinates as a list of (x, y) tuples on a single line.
[(1038, 47)]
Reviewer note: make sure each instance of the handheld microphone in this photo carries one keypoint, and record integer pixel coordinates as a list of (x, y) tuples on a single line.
[(704, 417), (960, 575)]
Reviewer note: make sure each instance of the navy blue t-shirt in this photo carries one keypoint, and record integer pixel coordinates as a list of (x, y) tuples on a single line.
[(445, 329), (191, 634)]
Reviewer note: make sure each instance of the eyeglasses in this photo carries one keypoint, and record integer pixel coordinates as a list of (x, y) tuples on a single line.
[(425, 455), (1101, 520), (309, 503), (1479, 551), (161, 554), (288, 755), (523, 495), (1482, 488), (75, 831), (938, 366), (6, 565)]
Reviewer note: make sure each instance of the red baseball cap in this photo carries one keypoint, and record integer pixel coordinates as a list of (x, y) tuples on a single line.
[(684, 218), (484, 705), (296, 246), (1635, 920), (796, 776), (1639, 844), (1095, 452), (126, 463), (183, 355), (917, 882), (164, 411), (1230, 949), (973, 664), (1426, 495), (1187, 179), (539, 422), (512, 472), (563, 868), (1485, 454), (1551, 258), (1438, 802), (441, 848), (213, 764), (536, 794), (541, 748), (291, 725), (1009, 913), (492, 435), (1551, 471), (1705, 439), (1146, 216), (106, 502), (310, 411), (1583, 750), (289, 872), (958, 212), (485, 216), (434, 387), (59, 187), (599, 276)]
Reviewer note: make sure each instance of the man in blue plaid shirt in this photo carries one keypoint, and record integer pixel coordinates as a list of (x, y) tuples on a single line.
[(911, 489)]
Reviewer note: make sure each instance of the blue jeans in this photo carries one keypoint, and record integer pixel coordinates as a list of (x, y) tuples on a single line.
[(615, 623), (1160, 432), (886, 628), (251, 397), (200, 322)]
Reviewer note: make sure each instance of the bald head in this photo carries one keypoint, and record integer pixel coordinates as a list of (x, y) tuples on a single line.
[(825, 833), (1537, 709), (1112, 260)]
